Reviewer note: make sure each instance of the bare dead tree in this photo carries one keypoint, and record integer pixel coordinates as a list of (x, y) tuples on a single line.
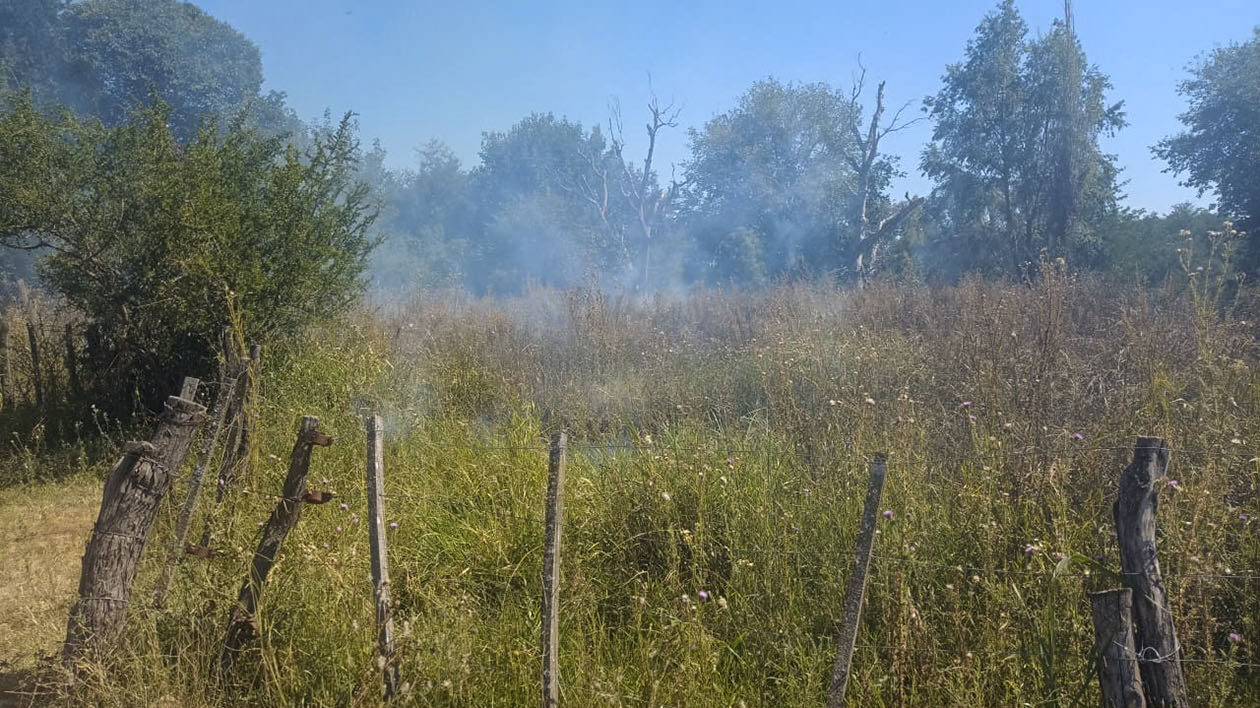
[(873, 234), (650, 206)]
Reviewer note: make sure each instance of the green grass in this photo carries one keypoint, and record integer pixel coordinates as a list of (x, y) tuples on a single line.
[(720, 443)]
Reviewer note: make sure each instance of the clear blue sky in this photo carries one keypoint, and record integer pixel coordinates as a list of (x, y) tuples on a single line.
[(421, 70)]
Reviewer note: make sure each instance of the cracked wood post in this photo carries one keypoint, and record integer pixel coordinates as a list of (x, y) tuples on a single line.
[(1159, 654), (133, 493), (208, 443), (1118, 672), (243, 626), (380, 559), (857, 583), (551, 573)]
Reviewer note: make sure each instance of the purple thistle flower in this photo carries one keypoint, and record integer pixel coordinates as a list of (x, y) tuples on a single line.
[(1235, 637), (966, 404), (972, 418), (1244, 518), (393, 525), (888, 514), (1030, 549), (730, 462), (344, 506), (324, 480), (704, 595), (338, 529), (1078, 437), (1174, 484)]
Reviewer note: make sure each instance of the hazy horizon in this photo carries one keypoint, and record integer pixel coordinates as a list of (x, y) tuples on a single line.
[(415, 73)]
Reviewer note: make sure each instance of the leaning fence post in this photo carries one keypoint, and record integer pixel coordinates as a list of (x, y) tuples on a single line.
[(208, 444), (133, 493), (856, 592), (37, 376), (1158, 653), (243, 626), (239, 408), (380, 560), (1118, 672), (551, 572)]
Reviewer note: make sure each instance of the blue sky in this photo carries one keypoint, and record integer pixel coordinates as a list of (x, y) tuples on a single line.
[(421, 70)]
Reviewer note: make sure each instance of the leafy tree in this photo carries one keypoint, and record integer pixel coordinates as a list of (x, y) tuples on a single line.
[(1220, 149), (32, 44), (428, 220), (159, 244), (1150, 245), (770, 182), (1014, 151), (125, 48), (527, 186)]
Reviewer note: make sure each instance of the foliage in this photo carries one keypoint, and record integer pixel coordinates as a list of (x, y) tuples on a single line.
[(779, 167), (1002, 141), (160, 244), (1220, 149)]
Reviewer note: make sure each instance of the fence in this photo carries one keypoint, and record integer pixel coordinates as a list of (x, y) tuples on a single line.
[(1141, 667)]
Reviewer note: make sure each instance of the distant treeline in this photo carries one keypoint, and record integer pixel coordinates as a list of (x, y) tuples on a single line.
[(162, 194)]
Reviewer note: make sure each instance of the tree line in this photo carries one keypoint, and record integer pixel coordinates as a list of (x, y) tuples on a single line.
[(162, 193)]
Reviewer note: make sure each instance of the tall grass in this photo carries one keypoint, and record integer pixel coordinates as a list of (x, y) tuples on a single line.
[(720, 445)]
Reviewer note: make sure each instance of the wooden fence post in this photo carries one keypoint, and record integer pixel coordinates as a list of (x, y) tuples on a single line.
[(856, 592), (380, 559), (37, 377), (6, 365), (242, 626), (133, 493), (239, 409), (1118, 672), (72, 366), (551, 572), (226, 392), (1158, 653)]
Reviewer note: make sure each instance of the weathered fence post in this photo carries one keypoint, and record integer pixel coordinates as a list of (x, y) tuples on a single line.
[(242, 626), (1158, 652), (133, 493), (1118, 672), (72, 366), (856, 591), (6, 364), (380, 559), (551, 572), (37, 376), (188, 390), (226, 392), (240, 410)]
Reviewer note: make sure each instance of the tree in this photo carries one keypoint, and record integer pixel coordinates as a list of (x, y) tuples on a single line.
[(1220, 149), (123, 49), (873, 233), (160, 243), (536, 227), (651, 205), (1014, 150), (770, 182), (32, 45)]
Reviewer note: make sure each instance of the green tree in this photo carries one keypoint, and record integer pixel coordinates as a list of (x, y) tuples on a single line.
[(123, 49), (1014, 151), (32, 44), (771, 182), (1220, 149), (160, 243), (537, 225)]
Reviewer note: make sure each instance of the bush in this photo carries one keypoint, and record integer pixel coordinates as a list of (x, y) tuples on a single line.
[(160, 244)]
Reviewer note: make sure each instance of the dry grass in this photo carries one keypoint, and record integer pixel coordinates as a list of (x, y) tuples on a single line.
[(42, 534), (747, 421)]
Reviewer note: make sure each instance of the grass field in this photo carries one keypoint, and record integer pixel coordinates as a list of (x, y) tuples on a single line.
[(719, 451)]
